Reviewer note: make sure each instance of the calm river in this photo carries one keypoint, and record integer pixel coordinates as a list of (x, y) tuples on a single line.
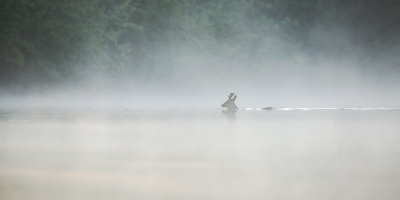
[(199, 154)]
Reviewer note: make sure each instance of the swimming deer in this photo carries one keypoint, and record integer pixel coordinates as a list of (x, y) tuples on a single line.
[(230, 103)]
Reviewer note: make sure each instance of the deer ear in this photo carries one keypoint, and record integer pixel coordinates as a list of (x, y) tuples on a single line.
[(229, 97), (234, 97)]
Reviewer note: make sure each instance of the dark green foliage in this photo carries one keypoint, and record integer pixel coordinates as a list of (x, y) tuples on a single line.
[(42, 40), (51, 41)]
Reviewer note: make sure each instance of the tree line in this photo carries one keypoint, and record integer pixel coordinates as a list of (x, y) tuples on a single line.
[(53, 41)]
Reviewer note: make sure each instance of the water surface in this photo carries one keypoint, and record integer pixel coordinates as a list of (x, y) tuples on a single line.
[(127, 153)]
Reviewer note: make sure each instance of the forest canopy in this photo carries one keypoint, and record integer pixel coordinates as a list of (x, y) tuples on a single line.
[(44, 41)]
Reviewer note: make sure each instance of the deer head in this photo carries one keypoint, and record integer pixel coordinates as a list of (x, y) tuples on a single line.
[(230, 103)]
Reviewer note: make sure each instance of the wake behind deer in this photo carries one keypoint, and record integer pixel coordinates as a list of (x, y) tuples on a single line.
[(231, 106)]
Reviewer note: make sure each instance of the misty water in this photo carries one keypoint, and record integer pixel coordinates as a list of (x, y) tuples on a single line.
[(129, 153)]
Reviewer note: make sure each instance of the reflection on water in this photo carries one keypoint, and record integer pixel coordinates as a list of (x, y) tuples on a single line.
[(229, 113), (98, 153)]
